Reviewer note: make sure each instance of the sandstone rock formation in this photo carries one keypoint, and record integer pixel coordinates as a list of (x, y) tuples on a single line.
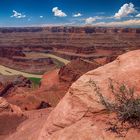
[(10, 117), (7, 107), (10, 83), (80, 115), (76, 68), (55, 84), (31, 127), (16, 89), (14, 122)]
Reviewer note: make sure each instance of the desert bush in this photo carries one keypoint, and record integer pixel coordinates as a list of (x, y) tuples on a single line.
[(35, 82), (125, 104)]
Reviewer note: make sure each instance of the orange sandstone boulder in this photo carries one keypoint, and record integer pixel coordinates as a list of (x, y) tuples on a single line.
[(80, 115)]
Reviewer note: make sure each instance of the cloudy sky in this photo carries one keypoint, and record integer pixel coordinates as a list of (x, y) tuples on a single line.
[(70, 12)]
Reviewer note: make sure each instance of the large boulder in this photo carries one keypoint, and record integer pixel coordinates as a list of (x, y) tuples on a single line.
[(80, 115)]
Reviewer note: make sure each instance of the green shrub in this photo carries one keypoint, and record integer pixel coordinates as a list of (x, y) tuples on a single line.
[(35, 81), (125, 104)]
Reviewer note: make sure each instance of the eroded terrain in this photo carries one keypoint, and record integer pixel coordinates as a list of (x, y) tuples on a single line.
[(52, 99), (40, 49)]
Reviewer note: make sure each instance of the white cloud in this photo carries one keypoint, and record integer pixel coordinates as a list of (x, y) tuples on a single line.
[(125, 10), (59, 13), (41, 16), (90, 20), (77, 15), (126, 23), (18, 15), (138, 15)]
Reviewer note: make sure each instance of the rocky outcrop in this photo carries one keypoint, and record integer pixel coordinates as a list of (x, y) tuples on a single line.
[(76, 68), (15, 124), (29, 100), (18, 91), (7, 107), (56, 83), (80, 115), (10, 83), (3, 104)]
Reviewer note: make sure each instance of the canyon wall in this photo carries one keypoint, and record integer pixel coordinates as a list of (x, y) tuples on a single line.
[(70, 43)]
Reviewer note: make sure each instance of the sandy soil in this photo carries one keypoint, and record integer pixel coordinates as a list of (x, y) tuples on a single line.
[(8, 71), (44, 55)]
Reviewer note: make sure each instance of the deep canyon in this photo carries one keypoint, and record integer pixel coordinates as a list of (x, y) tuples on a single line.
[(90, 43), (43, 75)]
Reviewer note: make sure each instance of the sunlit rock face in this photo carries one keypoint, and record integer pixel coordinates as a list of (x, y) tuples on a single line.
[(80, 115)]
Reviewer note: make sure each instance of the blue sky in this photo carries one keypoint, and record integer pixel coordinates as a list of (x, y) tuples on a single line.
[(70, 12)]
